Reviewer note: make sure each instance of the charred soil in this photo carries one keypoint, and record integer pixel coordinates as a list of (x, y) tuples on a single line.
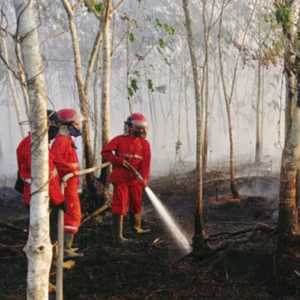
[(241, 233)]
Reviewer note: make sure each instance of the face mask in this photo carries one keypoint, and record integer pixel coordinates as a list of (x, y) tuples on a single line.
[(52, 132), (74, 131), (139, 132)]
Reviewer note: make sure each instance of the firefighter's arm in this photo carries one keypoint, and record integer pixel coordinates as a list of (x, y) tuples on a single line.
[(145, 167), (109, 153)]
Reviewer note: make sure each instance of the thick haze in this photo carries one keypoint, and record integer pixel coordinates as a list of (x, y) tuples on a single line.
[(170, 71)]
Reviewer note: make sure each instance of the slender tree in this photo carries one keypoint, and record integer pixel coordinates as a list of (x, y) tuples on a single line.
[(199, 235), (106, 71), (83, 83), (288, 226), (38, 248), (228, 93), (259, 102)]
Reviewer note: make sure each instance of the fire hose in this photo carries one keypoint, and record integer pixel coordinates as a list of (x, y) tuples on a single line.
[(60, 229)]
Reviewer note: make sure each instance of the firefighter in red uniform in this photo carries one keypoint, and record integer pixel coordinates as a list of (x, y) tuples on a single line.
[(122, 151), (66, 161), (24, 166)]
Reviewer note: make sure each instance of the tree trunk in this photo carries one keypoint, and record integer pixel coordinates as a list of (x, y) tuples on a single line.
[(186, 109), (96, 110), (84, 101), (199, 235), (227, 99), (128, 67), (258, 143), (228, 96), (106, 72), (12, 86), (38, 248), (233, 187), (288, 244), (205, 82), (105, 88), (23, 82), (178, 145), (288, 226)]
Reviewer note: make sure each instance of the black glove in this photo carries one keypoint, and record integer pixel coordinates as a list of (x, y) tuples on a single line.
[(19, 185), (62, 206)]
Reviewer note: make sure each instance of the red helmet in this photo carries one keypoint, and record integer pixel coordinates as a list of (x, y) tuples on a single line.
[(68, 116), (137, 124), (137, 119)]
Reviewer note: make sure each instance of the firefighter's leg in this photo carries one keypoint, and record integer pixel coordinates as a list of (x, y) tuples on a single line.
[(119, 209), (135, 195), (72, 218)]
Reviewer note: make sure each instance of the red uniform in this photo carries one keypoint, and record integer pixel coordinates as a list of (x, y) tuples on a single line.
[(66, 161), (127, 189), (24, 165)]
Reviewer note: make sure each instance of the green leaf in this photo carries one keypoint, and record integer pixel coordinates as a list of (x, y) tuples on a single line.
[(130, 91), (283, 15), (150, 85), (157, 23), (131, 37), (99, 7), (169, 29), (162, 43), (133, 84)]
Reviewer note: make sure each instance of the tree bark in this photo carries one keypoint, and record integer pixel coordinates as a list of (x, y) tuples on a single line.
[(97, 105), (128, 68), (199, 235), (38, 248), (106, 72), (22, 77), (288, 225), (258, 143), (84, 102)]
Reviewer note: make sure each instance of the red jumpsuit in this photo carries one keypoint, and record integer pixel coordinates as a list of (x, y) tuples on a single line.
[(127, 189), (66, 161), (24, 166)]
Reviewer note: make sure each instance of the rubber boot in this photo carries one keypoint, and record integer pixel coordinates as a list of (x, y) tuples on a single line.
[(51, 288), (138, 224), (117, 229), (70, 252)]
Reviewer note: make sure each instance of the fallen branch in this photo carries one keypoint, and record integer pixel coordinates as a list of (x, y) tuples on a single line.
[(229, 234), (13, 227), (97, 212), (12, 247)]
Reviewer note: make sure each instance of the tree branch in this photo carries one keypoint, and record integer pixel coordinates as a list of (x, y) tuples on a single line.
[(117, 5), (93, 57)]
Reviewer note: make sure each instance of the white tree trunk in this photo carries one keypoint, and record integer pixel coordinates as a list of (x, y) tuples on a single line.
[(23, 82), (38, 248), (106, 71)]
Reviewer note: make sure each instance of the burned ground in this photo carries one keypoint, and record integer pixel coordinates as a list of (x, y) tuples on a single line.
[(153, 267)]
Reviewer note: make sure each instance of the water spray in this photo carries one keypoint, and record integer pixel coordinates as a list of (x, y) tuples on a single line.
[(179, 237)]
